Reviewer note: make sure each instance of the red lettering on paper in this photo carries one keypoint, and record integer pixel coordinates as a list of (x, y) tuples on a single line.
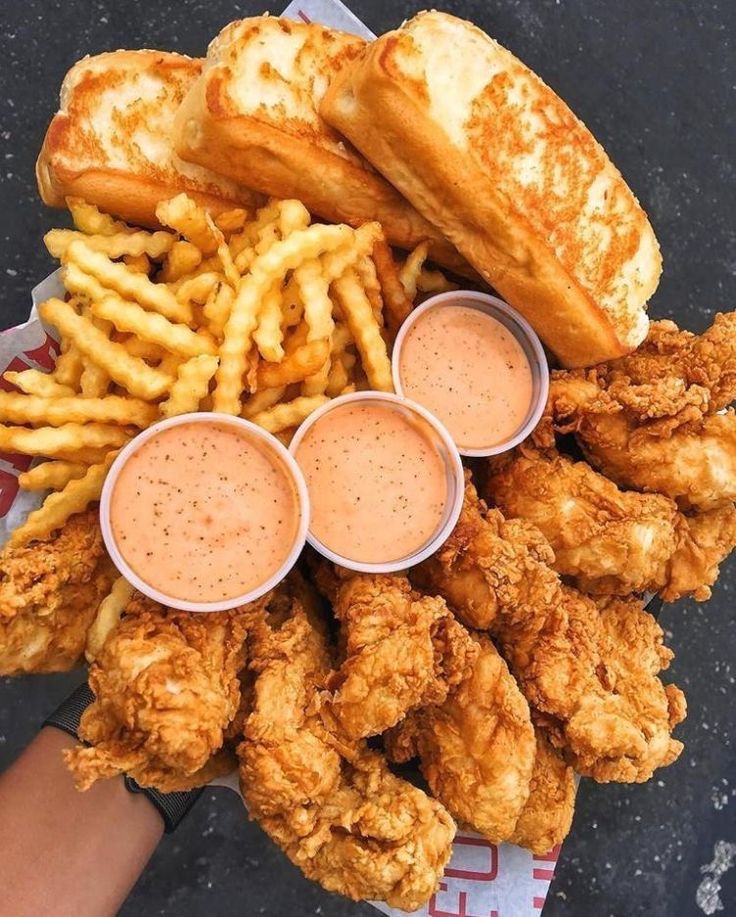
[(8, 490), (488, 875), (45, 355), (462, 908)]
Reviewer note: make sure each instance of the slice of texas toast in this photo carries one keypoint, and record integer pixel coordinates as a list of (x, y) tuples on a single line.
[(111, 140), (253, 116)]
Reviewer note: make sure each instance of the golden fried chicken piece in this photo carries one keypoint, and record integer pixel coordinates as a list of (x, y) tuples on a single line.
[(166, 686), (546, 818), (708, 538), (648, 420), (633, 654), (489, 562), (401, 650), (553, 639), (49, 594), (332, 805), (610, 541), (476, 749)]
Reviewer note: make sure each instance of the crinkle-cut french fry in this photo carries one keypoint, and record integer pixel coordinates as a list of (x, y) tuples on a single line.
[(134, 374), (369, 278), (265, 231), (217, 309), (52, 441), (51, 475), (267, 270), (337, 379), (137, 347), (434, 282), (94, 381), (365, 330), (292, 305), (293, 215), (170, 363), (191, 385), (314, 292), (139, 264), (316, 384), (263, 400), (108, 616), (295, 367), (34, 382), (232, 275), (183, 258), (230, 221), (69, 363), (153, 327), (193, 222), (336, 262), (55, 412), (85, 456), (249, 235), (116, 277), (60, 505), (341, 338), (397, 305), (92, 221), (198, 289), (154, 244), (288, 414), (409, 272), (268, 334)]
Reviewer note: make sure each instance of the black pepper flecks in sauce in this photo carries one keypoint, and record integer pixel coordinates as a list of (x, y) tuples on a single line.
[(377, 482), (203, 512), (470, 371)]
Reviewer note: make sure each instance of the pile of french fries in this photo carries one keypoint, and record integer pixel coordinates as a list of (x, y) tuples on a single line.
[(264, 315)]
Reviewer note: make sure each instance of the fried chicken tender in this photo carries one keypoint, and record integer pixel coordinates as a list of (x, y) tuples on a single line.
[(649, 420), (611, 541), (49, 594), (401, 650), (555, 642), (489, 563), (476, 749), (166, 686), (332, 805), (546, 819), (633, 654)]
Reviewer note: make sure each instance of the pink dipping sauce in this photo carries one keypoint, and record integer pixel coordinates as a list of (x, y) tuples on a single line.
[(202, 512), (377, 482), (470, 371)]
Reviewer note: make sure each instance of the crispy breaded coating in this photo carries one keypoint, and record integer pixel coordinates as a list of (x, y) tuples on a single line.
[(401, 650), (648, 420), (476, 748), (556, 644), (49, 594), (166, 686), (332, 805), (609, 540)]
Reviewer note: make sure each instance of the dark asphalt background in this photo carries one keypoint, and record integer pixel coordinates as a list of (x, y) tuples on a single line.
[(656, 83)]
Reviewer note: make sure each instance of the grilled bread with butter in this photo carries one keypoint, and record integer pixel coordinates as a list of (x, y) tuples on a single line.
[(498, 162), (111, 140), (253, 116)]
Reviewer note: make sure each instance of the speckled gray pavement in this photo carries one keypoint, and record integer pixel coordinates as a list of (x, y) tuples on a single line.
[(656, 82)]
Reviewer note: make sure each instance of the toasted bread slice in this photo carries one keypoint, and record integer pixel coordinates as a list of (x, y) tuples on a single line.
[(498, 162), (111, 141), (253, 116)]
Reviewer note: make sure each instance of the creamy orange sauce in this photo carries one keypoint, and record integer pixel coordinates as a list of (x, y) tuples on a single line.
[(377, 482), (468, 370), (204, 513)]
